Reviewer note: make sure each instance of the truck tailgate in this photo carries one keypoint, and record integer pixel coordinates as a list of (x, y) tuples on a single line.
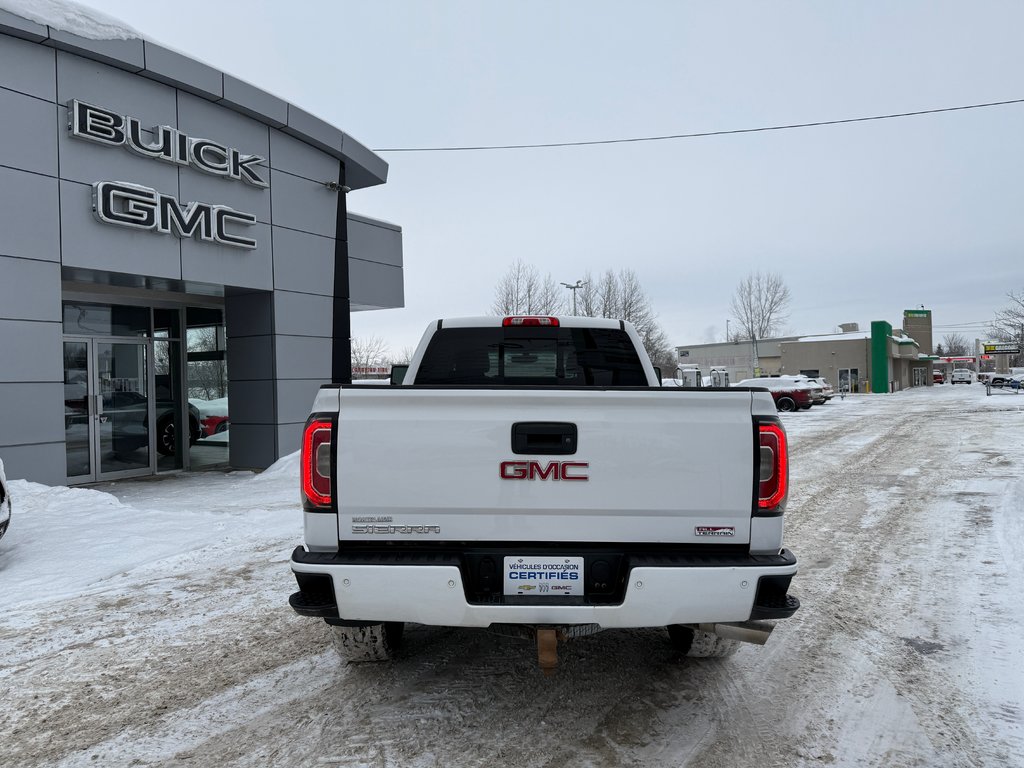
[(650, 465)]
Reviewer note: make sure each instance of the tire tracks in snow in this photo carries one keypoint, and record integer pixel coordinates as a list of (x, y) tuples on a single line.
[(199, 661), (860, 511)]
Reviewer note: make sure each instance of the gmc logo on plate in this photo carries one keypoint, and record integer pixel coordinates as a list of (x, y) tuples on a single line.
[(534, 470)]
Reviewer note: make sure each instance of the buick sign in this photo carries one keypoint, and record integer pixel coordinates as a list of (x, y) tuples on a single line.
[(168, 144)]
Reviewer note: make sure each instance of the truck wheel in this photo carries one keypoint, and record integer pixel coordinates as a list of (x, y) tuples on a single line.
[(700, 645), (786, 404), (376, 642)]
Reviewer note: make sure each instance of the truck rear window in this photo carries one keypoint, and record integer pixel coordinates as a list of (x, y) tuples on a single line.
[(537, 356)]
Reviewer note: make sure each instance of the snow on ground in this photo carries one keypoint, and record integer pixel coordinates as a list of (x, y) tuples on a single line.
[(146, 623), (65, 541)]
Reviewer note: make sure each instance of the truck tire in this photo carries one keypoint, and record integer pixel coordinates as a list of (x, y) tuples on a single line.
[(786, 404), (700, 645), (376, 642)]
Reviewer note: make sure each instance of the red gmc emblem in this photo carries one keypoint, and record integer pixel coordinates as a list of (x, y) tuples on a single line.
[(534, 470)]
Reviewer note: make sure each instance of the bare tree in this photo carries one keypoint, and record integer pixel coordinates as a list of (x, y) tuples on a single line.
[(661, 352), (522, 291), (1009, 324), (621, 296), (402, 358), (616, 295), (369, 352), (956, 345), (759, 305), (207, 369)]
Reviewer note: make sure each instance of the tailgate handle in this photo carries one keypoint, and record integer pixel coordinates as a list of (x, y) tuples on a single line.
[(546, 438)]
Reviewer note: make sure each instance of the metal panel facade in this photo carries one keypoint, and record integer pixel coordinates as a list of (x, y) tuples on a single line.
[(29, 133), (278, 296), (29, 68), (29, 215)]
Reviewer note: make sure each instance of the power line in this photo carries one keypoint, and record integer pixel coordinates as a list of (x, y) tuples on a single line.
[(703, 133)]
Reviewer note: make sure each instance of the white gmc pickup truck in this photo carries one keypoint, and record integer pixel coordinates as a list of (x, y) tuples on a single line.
[(531, 472)]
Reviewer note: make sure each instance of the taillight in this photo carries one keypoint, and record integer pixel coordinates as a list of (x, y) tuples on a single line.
[(773, 482), (316, 462), (524, 320)]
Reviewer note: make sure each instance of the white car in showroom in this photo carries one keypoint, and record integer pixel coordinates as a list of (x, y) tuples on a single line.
[(5, 502)]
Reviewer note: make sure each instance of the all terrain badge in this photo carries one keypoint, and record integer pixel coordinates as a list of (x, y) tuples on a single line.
[(714, 530)]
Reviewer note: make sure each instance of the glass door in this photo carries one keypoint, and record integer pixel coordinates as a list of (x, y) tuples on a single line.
[(848, 379), (107, 409), (78, 416), (123, 408)]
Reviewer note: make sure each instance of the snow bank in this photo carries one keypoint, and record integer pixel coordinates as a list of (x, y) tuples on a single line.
[(284, 469), (69, 541), (218, 407)]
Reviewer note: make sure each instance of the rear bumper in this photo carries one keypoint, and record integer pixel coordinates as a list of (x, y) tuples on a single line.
[(431, 590)]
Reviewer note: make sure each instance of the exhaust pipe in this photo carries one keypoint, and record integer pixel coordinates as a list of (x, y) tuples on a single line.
[(756, 632)]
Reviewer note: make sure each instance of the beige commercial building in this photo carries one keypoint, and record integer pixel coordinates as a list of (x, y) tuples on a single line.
[(882, 359)]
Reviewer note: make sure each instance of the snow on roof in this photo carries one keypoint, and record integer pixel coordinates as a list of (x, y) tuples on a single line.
[(72, 17), (862, 335)]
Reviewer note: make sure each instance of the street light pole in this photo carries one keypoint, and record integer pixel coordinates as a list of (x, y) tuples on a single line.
[(574, 287)]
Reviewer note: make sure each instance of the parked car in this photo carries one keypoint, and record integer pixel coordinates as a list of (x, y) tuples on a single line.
[(825, 386), (212, 415), (214, 425), (5, 502), (961, 376), (789, 395), (938, 377), (818, 396), (1001, 379), (129, 418)]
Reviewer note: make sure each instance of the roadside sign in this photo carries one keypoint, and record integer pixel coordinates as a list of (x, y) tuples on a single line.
[(1001, 347)]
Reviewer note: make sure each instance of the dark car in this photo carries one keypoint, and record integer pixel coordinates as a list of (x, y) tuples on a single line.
[(1002, 379), (128, 411), (5, 502), (128, 415)]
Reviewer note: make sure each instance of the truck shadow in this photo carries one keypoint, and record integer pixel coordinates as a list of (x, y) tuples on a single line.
[(466, 696)]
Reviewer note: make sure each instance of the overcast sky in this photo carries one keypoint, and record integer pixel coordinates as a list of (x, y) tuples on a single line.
[(862, 221)]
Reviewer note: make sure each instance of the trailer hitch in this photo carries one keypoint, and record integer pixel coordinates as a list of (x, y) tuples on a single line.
[(547, 650)]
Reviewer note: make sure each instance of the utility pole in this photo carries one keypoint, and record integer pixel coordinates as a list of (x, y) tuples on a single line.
[(574, 287), (727, 330)]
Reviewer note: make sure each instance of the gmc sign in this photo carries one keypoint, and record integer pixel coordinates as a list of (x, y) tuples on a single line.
[(534, 470)]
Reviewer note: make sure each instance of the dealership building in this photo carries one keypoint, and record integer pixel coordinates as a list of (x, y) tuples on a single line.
[(177, 259), (881, 359)]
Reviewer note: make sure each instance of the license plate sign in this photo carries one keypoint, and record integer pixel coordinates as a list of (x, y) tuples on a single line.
[(550, 576)]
